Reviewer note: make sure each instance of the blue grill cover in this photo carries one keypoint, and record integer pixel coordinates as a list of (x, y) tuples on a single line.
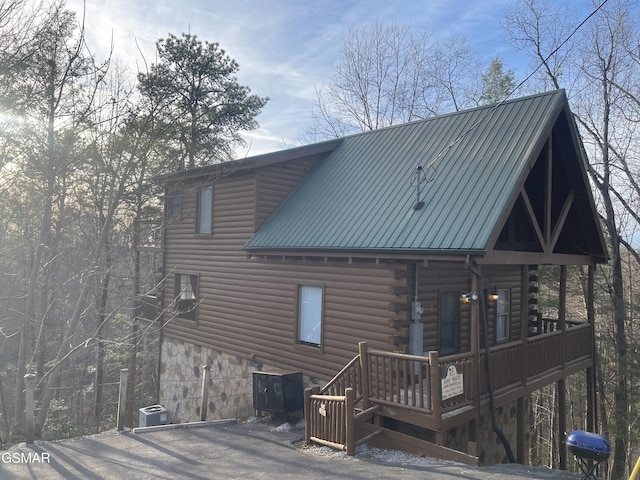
[(588, 445)]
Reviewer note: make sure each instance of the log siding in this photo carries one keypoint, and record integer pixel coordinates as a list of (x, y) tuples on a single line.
[(247, 306)]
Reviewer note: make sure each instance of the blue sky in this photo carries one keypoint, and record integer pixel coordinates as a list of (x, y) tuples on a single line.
[(287, 47)]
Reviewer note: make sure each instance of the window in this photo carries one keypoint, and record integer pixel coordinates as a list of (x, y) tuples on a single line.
[(310, 311), (449, 323), (205, 210), (173, 205), (186, 291), (503, 310)]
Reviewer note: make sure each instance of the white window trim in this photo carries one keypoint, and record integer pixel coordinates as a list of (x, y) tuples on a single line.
[(310, 317), (205, 215), (503, 310)]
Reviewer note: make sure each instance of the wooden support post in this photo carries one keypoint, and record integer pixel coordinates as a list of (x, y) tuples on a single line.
[(524, 322), (522, 445), (475, 348), (562, 394), (562, 423), (472, 443), (434, 385), (3, 412), (29, 386), (349, 421), (364, 375), (592, 410), (204, 399), (133, 365), (562, 302), (122, 399)]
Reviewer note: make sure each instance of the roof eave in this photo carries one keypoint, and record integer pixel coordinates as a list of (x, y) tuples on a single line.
[(253, 162), (363, 252)]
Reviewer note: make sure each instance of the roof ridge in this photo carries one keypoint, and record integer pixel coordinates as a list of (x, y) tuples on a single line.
[(559, 91)]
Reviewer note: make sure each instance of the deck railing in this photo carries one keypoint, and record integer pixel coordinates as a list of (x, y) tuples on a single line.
[(401, 379), (329, 419), (149, 235), (415, 383)]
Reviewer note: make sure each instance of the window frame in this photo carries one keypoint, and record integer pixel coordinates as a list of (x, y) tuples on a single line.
[(502, 302), (173, 211), (199, 211), (192, 312), (299, 330), (456, 323)]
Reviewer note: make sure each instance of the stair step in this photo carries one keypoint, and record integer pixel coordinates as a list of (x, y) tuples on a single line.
[(368, 437)]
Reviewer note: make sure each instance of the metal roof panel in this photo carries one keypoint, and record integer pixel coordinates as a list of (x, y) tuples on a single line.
[(361, 197)]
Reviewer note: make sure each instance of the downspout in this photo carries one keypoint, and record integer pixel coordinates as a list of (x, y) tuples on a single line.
[(485, 338), (416, 328)]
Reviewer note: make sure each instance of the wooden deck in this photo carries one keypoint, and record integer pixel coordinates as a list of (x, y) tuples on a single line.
[(409, 388)]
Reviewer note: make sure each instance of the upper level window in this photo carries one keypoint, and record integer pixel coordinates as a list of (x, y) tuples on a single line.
[(205, 210), (449, 323), (186, 291), (310, 312), (503, 312), (173, 205)]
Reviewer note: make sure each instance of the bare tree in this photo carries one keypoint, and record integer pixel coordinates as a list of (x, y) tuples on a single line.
[(600, 67), (52, 89), (390, 74)]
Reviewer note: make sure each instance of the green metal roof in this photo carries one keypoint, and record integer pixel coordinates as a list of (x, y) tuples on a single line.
[(361, 197)]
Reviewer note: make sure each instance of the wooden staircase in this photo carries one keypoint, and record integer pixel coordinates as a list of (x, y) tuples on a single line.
[(374, 385)]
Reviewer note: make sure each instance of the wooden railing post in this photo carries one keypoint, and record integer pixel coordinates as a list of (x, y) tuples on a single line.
[(364, 374), (122, 399), (349, 421), (29, 386), (307, 415), (434, 385), (309, 423), (204, 401)]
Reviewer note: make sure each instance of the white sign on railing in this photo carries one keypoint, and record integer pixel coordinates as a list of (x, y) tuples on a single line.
[(452, 383)]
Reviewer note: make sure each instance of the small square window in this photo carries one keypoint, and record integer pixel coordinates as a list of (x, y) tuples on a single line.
[(174, 206), (186, 295), (310, 312)]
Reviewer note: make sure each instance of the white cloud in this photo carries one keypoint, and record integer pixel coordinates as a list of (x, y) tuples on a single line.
[(284, 47)]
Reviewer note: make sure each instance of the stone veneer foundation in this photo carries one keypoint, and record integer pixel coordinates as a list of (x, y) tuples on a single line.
[(231, 395), (230, 386), (491, 448)]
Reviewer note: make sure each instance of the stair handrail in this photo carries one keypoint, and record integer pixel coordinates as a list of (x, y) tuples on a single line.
[(353, 363)]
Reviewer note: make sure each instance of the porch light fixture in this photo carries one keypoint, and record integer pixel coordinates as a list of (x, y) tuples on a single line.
[(493, 295), (468, 297)]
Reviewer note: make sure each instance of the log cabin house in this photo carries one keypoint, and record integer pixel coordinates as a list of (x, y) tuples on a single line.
[(396, 269)]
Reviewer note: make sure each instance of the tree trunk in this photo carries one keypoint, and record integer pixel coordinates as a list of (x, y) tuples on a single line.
[(45, 227), (100, 345)]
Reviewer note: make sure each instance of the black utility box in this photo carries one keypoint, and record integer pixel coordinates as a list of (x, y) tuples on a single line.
[(277, 391)]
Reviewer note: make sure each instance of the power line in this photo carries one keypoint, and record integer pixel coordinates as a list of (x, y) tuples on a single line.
[(466, 132)]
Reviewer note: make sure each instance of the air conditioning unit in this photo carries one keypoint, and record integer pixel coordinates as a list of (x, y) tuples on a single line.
[(277, 391), (152, 416)]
